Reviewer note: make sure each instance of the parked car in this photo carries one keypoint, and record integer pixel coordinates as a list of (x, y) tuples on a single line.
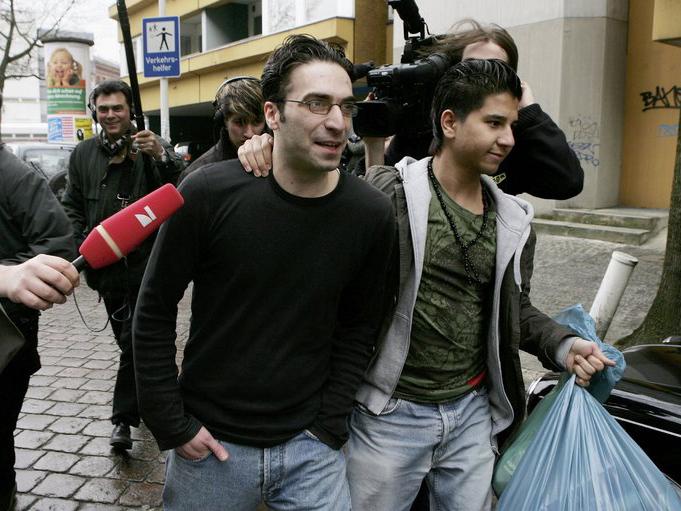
[(190, 151), (646, 402), (50, 159)]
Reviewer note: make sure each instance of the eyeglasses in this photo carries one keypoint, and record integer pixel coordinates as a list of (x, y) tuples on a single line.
[(323, 107)]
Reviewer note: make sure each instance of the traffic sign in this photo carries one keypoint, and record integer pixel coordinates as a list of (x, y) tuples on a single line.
[(161, 46)]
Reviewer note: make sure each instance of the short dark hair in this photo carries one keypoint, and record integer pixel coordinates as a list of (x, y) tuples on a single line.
[(111, 87), (464, 88), (294, 51), (469, 31)]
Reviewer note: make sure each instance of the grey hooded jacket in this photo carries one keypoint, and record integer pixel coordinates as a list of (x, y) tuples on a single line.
[(515, 322)]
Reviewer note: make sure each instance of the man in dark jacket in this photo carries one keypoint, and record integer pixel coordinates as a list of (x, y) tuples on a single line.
[(31, 223), (238, 116), (106, 173)]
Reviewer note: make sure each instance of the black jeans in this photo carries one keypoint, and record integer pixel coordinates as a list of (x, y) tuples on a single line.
[(13, 386), (120, 309)]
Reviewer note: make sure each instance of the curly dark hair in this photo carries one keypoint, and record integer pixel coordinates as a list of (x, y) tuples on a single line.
[(296, 50), (464, 88)]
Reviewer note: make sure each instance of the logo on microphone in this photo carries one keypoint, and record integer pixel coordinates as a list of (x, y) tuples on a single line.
[(146, 219)]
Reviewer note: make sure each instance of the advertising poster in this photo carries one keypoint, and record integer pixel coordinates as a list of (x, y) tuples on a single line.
[(67, 70)]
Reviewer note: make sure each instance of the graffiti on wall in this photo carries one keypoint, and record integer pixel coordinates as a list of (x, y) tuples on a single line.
[(584, 139), (661, 97)]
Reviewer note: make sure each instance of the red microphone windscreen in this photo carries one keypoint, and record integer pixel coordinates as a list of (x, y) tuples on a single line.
[(121, 233)]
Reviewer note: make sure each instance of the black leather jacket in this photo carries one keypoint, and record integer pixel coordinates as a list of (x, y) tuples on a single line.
[(32, 221), (90, 197)]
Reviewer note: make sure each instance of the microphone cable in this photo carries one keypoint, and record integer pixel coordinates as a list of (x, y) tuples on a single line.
[(82, 318), (109, 317)]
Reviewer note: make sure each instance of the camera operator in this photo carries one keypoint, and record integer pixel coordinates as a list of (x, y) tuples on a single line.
[(541, 163)]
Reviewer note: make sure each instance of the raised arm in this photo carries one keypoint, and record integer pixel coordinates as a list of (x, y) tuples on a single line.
[(542, 162)]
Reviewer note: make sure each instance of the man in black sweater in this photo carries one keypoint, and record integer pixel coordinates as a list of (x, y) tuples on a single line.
[(288, 278)]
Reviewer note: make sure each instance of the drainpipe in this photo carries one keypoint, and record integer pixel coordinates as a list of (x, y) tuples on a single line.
[(612, 288)]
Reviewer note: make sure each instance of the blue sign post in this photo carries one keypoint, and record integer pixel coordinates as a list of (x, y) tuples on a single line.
[(161, 46)]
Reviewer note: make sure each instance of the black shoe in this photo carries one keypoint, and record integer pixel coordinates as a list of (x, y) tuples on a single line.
[(120, 437), (7, 499)]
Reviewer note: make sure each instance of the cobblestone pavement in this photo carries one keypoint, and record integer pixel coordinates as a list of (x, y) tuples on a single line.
[(63, 457)]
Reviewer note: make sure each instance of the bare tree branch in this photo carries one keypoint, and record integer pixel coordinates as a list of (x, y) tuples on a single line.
[(19, 38), (29, 75)]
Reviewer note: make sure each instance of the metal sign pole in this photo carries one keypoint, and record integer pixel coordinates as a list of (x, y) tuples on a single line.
[(163, 90)]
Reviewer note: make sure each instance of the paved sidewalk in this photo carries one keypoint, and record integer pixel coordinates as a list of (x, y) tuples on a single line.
[(63, 457), (64, 461)]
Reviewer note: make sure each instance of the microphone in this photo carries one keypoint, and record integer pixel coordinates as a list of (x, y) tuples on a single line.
[(121, 233)]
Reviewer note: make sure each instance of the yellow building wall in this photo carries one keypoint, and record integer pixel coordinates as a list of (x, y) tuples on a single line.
[(138, 9), (202, 74), (667, 21), (371, 18), (652, 102)]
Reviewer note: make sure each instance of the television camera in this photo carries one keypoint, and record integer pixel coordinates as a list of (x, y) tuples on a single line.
[(403, 92)]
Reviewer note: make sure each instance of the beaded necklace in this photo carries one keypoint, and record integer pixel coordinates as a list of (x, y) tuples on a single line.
[(465, 247)]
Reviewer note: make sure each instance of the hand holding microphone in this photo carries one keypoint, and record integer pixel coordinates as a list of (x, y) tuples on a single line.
[(39, 282), (121, 233)]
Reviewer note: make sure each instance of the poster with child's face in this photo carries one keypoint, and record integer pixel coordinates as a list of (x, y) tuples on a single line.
[(63, 70), (67, 69)]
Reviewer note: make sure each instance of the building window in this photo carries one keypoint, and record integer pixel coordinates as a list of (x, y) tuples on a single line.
[(228, 23), (255, 18), (190, 35)]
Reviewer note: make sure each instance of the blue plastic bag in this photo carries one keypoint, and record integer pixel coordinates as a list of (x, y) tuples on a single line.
[(507, 464), (581, 459), (584, 326), (600, 387)]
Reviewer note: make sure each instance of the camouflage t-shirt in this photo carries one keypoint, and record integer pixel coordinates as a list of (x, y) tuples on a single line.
[(449, 329)]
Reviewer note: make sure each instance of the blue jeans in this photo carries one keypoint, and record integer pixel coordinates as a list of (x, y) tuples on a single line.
[(300, 474), (448, 444)]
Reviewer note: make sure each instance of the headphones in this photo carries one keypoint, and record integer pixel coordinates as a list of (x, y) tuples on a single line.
[(110, 87), (219, 115)]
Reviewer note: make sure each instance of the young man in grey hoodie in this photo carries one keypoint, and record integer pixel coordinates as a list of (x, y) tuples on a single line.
[(446, 385)]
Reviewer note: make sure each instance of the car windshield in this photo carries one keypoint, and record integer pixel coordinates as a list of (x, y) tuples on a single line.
[(50, 160)]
